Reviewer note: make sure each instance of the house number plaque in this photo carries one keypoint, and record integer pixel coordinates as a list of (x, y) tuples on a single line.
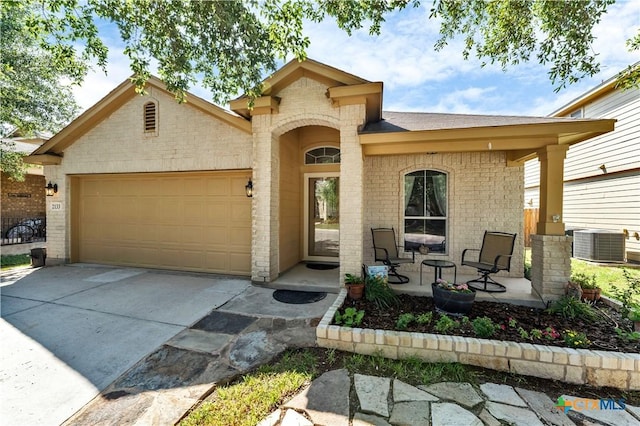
[(56, 206)]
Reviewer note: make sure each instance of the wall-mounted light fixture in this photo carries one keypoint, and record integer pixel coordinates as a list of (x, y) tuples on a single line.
[(51, 189), (249, 188), (603, 168)]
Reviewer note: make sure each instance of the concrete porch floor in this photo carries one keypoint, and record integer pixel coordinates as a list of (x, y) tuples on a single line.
[(300, 277)]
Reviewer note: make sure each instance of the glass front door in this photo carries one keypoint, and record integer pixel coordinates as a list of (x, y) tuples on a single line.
[(322, 218)]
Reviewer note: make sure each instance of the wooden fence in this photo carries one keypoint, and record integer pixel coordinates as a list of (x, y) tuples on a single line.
[(530, 224)]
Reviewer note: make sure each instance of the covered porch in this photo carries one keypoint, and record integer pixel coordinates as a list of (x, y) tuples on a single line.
[(519, 290)]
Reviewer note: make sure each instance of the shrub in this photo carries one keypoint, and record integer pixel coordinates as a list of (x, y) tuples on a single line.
[(585, 281), (404, 320), (484, 327), (445, 324), (425, 318), (350, 317), (571, 308), (379, 292), (576, 339), (626, 295)]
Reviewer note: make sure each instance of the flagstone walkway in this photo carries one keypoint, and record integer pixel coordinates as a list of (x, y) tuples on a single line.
[(383, 401)]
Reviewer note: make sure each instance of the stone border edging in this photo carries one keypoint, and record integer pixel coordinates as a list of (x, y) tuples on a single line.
[(578, 366)]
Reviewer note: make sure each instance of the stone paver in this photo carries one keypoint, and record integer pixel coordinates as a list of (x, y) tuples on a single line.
[(544, 407), (502, 393), (405, 392), (410, 413), (373, 393), (606, 417), (448, 414), (634, 411), (488, 419), (326, 400), (512, 415), (293, 418), (462, 393), (362, 419)]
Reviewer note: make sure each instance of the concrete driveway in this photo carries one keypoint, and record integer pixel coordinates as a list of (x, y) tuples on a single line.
[(67, 332)]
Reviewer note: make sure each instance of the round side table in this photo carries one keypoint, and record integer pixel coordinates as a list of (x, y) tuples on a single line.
[(438, 265)]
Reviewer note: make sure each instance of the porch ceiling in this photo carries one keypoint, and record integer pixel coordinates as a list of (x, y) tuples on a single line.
[(521, 136)]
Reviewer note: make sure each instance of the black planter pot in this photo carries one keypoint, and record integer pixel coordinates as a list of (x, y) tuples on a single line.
[(452, 302)]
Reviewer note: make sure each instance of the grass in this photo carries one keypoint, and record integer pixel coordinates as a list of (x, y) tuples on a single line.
[(607, 277), (250, 399), (13, 260), (253, 397)]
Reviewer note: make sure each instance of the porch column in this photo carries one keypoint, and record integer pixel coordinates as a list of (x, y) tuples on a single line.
[(351, 191), (551, 159), (550, 265), (264, 221), (551, 249)]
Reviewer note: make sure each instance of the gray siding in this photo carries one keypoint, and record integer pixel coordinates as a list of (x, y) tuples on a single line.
[(592, 198)]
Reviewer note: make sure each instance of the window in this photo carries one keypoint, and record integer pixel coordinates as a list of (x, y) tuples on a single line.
[(577, 114), (150, 118), (324, 155), (425, 210)]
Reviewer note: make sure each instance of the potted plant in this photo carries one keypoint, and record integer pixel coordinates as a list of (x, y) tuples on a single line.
[(451, 298), (590, 290), (355, 286)]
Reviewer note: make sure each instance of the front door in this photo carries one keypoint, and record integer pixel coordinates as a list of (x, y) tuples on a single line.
[(322, 217)]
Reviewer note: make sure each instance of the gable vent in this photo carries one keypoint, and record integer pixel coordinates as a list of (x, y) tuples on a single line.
[(599, 245), (149, 117)]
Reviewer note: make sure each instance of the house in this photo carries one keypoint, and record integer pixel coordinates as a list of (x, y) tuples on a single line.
[(602, 175), (144, 181), (23, 202)]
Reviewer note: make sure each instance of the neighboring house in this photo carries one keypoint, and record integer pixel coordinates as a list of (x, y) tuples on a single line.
[(144, 181), (602, 175), (25, 200)]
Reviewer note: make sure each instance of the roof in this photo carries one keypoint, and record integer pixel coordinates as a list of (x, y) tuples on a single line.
[(415, 121), (343, 87), (523, 137), (589, 96)]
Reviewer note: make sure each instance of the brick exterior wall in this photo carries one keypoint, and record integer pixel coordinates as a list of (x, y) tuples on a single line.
[(484, 194), (23, 207), (480, 184), (579, 366), (188, 139), (304, 103)]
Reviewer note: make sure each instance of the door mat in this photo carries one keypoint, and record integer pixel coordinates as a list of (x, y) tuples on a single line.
[(298, 297), (322, 266)]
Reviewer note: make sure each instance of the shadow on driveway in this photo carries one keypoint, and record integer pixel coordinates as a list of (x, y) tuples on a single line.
[(70, 331)]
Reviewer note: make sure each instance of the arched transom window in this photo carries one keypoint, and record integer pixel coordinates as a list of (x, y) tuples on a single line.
[(425, 210), (323, 155)]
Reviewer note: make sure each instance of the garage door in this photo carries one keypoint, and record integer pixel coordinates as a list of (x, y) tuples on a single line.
[(183, 221)]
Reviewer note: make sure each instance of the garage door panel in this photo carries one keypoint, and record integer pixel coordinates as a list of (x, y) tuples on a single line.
[(237, 262), (185, 221), (218, 186), (240, 213)]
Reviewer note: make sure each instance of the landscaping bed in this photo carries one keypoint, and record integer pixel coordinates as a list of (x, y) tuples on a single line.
[(509, 323)]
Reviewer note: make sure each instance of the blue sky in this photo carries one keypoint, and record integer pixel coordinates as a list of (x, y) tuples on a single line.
[(416, 77)]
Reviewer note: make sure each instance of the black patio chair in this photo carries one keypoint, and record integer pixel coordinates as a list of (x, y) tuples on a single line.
[(494, 256), (385, 250)]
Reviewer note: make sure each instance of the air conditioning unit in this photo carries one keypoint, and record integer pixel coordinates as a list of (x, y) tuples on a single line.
[(599, 245)]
